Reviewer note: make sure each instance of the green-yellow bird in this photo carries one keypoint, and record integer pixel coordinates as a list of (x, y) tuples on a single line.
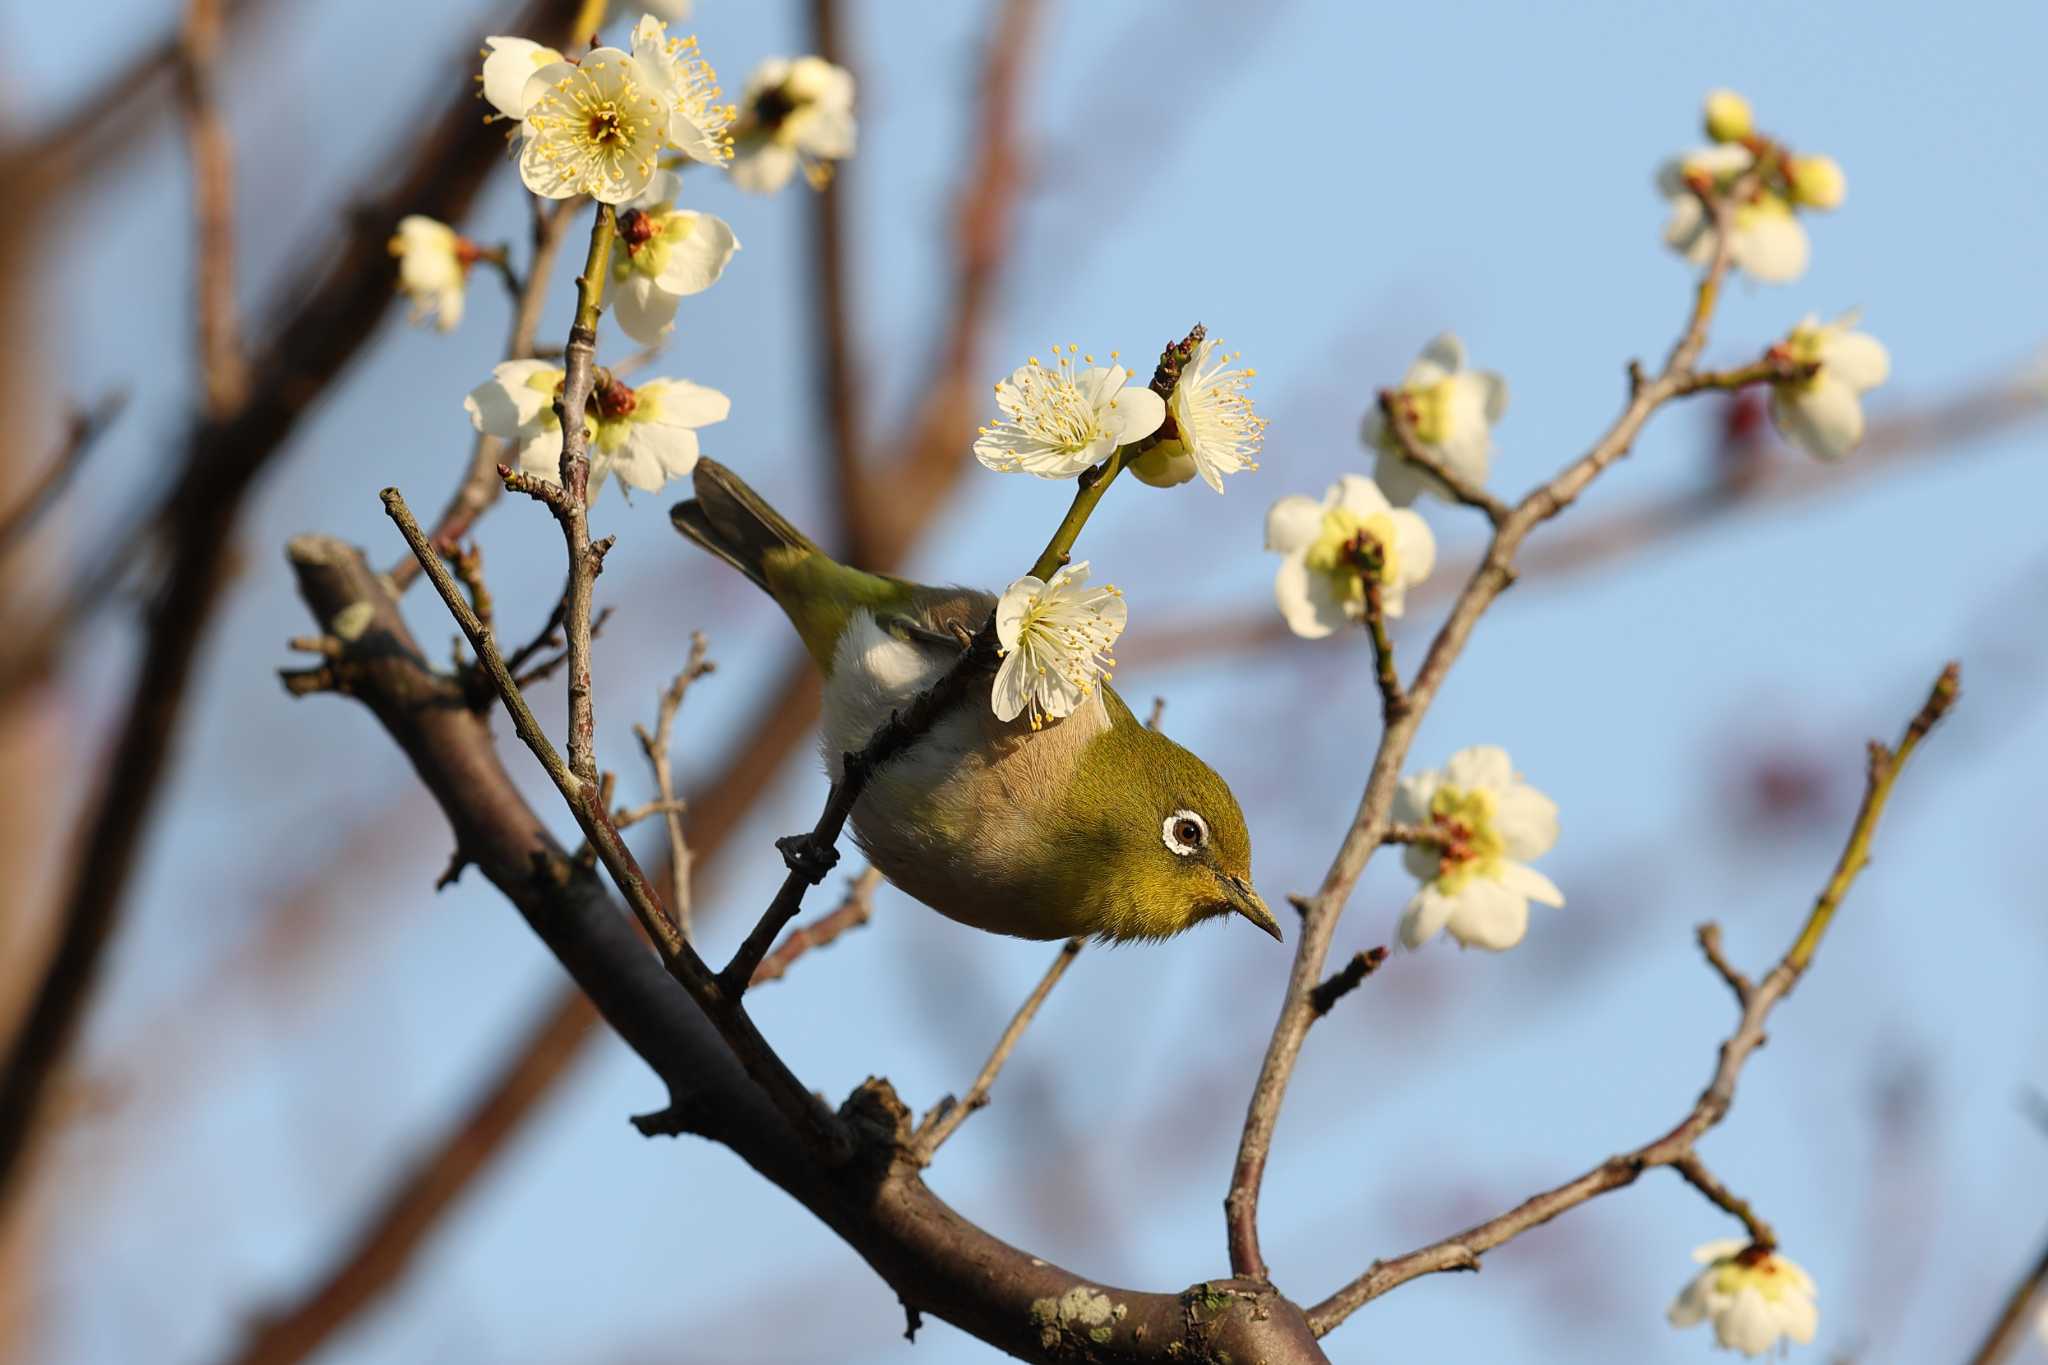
[(1094, 825)]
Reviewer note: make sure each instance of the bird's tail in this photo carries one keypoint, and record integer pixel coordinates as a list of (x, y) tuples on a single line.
[(735, 523), (817, 592)]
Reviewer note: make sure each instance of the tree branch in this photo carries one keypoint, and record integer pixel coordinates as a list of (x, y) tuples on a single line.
[(1675, 1147), (586, 801), (948, 1115), (935, 1260), (221, 364), (86, 425), (853, 912), (1368, 827)]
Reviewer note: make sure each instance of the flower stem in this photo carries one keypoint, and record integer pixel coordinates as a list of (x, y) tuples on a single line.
[(1094, 484)]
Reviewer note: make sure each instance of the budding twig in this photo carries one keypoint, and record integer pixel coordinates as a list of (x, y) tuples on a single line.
[(853, 912)]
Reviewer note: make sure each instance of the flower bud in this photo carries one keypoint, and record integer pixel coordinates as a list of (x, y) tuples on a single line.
[(1817, 181), (1728, 116)]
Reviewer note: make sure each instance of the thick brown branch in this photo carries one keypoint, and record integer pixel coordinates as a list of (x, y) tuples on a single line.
[(937, 1261), (949, 1114), (1673, 1148), (586, 800)]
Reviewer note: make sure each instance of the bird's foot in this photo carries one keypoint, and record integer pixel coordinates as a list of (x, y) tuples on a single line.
[(807, 856)]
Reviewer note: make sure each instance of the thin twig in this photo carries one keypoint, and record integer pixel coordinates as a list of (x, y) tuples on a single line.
[(853, 912), (1462, 1252), (1324, 997), (948, 1114), (1393, 699), (1695, 1173), (585, 798), (656, 747), (84, 428), (1400, 415), (1369, 824), (1709, 935)]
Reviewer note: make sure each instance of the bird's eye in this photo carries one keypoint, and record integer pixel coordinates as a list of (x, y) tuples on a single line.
[(1184, 832)]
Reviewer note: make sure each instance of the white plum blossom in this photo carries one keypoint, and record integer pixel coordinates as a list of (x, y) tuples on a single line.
[(1823, 414), (1753, 1297), (509, 64), (1055, 638), (793, 113), (433, 268), (1452, 410), (645, 435), (1059, 420), (1213, 430), (662, 254), (1478, 822), (1766, 239), (593, 127), (1330, 547), (698, 126)]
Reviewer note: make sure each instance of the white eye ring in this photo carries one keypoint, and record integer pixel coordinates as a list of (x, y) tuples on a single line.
[(1170, 830)]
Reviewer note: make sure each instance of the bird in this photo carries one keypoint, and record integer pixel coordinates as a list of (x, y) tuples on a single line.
[(1095, 825)]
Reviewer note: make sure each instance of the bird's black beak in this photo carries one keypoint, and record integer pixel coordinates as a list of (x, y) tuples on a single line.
[(1246, 902)]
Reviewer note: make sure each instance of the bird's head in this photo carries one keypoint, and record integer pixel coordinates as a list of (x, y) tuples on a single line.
[(1177, 850)]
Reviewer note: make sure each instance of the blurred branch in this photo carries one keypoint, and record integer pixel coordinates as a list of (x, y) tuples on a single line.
[(657, 748), (325, 323), (221, 366), (1369, 824), (947, 1114), (2009, 1330), (71, 148), (380, 1252), (84, 428), (853, 912), (938, 1262), (838, 393), (1674, 1148)]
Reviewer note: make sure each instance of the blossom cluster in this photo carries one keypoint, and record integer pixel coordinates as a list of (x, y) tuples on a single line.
[(618, 125)]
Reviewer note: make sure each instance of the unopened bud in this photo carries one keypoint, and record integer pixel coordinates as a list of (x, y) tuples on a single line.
[(1728, 116), (1817, 181)]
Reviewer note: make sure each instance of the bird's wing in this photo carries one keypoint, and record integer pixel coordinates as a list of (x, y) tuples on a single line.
[(940, 618)]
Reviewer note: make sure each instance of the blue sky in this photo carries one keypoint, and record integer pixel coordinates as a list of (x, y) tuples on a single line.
[(1326, 186)]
